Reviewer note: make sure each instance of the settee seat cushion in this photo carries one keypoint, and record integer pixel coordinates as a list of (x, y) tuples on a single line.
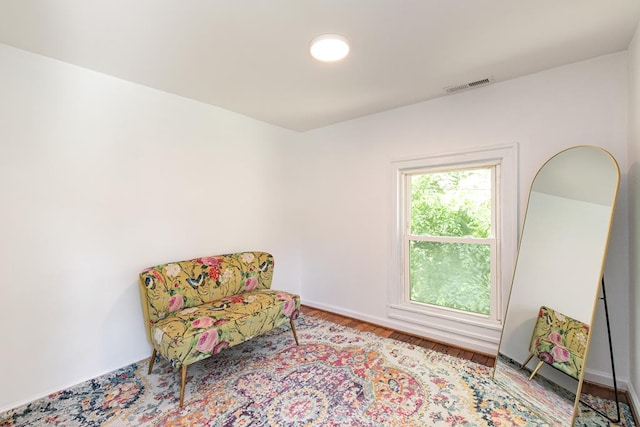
[(195, 333)]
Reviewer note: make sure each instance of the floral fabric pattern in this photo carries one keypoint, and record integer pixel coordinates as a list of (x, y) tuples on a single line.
[(198, 332), (560, 341), (177, 285)]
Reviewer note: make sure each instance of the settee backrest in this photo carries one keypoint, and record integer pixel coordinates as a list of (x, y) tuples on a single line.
[(174, 286)]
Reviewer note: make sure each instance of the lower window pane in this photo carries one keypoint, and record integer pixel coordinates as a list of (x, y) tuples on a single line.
[(453, 275)]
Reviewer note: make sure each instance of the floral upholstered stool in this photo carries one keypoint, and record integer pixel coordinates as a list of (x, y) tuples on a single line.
[(559, 341)]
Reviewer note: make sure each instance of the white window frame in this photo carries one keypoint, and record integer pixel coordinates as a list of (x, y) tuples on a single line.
[(458, 327), (491, 241)]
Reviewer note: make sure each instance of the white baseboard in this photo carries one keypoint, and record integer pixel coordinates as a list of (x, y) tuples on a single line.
[(604, 378), (479, 346), (633, 399)]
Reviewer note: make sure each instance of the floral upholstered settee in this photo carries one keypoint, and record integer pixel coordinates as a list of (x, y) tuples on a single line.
[(194, 309), (559, 341)]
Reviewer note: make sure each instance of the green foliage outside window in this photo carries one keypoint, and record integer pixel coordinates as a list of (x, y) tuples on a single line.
[(451, 204)]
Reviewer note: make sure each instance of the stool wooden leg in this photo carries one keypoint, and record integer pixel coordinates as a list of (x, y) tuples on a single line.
[(293, 329), (183, 381), (153, 359)]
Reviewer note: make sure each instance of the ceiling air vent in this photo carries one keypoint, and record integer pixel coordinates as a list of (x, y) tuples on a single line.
[(471, 85)]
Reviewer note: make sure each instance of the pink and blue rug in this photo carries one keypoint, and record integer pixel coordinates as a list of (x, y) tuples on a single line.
[(338, 376)]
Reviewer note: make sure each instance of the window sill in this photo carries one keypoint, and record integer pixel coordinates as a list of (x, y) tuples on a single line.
[(465, 332), (457, 316)]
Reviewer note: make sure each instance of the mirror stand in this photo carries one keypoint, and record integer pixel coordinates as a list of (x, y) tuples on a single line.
[(613, 365)]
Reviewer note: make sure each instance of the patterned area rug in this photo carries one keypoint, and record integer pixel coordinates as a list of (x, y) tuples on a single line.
[(338, 376)]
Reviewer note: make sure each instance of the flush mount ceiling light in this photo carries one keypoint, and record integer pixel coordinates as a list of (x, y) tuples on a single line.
[(329, 47)]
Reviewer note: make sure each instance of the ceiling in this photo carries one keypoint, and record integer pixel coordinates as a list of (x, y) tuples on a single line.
[(252, 57)]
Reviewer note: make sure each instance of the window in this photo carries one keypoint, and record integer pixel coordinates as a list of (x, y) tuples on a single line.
[(450, 239), (454, 242)]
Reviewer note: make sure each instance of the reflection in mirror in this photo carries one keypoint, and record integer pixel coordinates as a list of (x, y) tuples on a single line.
[(556, 282)]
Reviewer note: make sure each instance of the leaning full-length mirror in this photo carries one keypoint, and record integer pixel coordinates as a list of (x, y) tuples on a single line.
[(555, 286)]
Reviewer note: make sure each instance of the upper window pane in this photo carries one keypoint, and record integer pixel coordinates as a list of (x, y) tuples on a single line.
[(452, 204)]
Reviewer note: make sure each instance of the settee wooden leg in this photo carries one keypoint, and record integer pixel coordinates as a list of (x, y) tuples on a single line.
[(527, 361), (153, 359), (293, 329), (183, 381), (535, 371)]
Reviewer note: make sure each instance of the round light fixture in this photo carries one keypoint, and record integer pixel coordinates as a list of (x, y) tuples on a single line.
[(329, 47)]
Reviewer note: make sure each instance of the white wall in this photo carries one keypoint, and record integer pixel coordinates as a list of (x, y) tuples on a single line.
[(100, 178), (634, 216), (345, 189)]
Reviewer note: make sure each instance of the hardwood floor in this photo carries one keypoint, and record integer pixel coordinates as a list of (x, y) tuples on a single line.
[(484, 359)]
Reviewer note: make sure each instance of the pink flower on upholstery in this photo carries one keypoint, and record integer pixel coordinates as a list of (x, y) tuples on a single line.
[(220, 346), (235, 299), (289, 307), (176, 302), (202, 322), (555, 338), (560, 354), (172, 270), (247, 257), (250, 284), (207, 340), (295, 314), (220, 322), (210, 261), (546, 357), (289, 304)]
